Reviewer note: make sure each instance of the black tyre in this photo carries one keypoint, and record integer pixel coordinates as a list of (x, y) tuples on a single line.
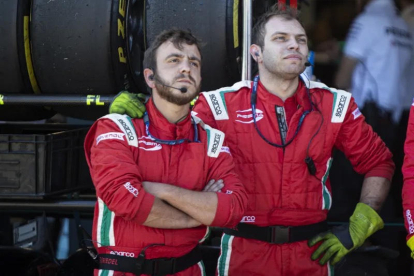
[(16, 71), (79, 47), (206, 20)]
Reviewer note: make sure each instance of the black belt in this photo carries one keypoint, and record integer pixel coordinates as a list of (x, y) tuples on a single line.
[(140, 265), (278, 234)]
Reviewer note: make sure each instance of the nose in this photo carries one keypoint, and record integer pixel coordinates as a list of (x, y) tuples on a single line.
[(293, 44), (185, 66)]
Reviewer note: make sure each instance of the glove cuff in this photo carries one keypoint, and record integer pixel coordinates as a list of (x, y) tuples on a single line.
[(365, 213)]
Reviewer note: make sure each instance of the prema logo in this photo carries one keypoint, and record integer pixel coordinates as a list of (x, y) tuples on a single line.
[(246, 116), (131, 189), (248, 219), (409, 221), (120, 253), (148, 144)]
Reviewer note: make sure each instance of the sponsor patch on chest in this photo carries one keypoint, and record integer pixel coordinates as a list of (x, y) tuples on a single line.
[(148, 144), (246, 116)]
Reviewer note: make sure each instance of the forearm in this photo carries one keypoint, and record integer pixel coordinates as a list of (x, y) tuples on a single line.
[(165, 216), (201, 206), (375, 191)]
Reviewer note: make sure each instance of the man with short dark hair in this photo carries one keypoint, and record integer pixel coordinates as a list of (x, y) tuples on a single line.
[(160, 180), (282, 129)]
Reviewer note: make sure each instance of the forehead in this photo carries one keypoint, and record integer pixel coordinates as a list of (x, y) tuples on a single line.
[(168, 48), (279, 24)]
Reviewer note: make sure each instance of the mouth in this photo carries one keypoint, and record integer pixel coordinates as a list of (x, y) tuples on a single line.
[(184, 81), (293, 57)]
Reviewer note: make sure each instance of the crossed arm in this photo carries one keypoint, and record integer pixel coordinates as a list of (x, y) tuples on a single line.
[(188, 208)]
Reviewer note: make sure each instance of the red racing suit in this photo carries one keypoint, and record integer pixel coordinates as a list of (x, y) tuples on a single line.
[(121, 156), (280, 188), (408, 186)]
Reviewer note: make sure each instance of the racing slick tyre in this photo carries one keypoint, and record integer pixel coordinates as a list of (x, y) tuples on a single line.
[(207, 20), (16, 71), (79, 47)]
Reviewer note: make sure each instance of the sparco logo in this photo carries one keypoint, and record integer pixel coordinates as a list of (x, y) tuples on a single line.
[(216, 143), (248, 219), (409, 221), (127, 130), (131, 189), (341, 106), (216, 104), (120, 253)]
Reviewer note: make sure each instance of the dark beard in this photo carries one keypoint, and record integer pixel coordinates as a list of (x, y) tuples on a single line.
[(166, 92)]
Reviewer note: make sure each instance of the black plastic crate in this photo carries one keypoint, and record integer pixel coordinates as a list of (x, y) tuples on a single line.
[(47, 163)]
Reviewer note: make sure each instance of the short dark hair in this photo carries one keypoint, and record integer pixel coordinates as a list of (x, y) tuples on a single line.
[(176, 36), (259, 29)]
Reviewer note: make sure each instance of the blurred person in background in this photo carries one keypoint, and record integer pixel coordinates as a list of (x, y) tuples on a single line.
[(375, 65)]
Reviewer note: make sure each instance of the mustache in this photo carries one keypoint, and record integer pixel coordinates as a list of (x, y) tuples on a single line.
[(182, 76)]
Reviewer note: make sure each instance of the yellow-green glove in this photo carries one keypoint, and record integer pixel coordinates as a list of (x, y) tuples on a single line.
[(342, 239), (410, 244), (128, 103)]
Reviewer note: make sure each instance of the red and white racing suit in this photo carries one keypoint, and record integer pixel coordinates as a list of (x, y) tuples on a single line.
[(121, 156), (280, 188), (408, 186)]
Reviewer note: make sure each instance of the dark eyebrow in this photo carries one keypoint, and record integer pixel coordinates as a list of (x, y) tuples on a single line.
[(195, 58), (174, 55), (181, 56)]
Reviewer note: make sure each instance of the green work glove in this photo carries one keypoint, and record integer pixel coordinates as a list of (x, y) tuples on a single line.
[(410, 244), (343, 239), (128, 103)]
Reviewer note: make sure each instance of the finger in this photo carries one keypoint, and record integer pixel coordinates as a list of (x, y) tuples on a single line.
[(324, 246), (339, 255), (328, 254), (216, 187), (207, 187), (316, 239), (132, 110)]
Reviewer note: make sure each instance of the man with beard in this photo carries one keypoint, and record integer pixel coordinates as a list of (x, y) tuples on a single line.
[(160, 180), (282, 129)]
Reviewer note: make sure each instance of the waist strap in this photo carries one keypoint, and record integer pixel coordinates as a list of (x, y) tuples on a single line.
[(157, 267), (278, 234)]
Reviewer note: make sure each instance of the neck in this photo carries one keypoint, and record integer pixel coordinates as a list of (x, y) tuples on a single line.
[(276, 85), (172, 112)]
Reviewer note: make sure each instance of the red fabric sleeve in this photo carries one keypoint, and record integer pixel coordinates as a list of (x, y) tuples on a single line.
[(408, 173), (363, 147), (232, 200), (202, 110), (115, 173)]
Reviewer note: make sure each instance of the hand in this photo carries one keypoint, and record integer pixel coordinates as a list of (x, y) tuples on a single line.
[(342, 239), (410, 244), (128, 103), (214, 186)]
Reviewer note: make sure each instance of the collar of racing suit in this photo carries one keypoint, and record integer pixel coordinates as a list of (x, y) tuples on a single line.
[(291, 104), (163, 129)]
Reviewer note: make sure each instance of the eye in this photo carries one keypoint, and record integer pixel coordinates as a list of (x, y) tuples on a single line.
[(302, 40), (280, 38), (195, 64), (173, 60)]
